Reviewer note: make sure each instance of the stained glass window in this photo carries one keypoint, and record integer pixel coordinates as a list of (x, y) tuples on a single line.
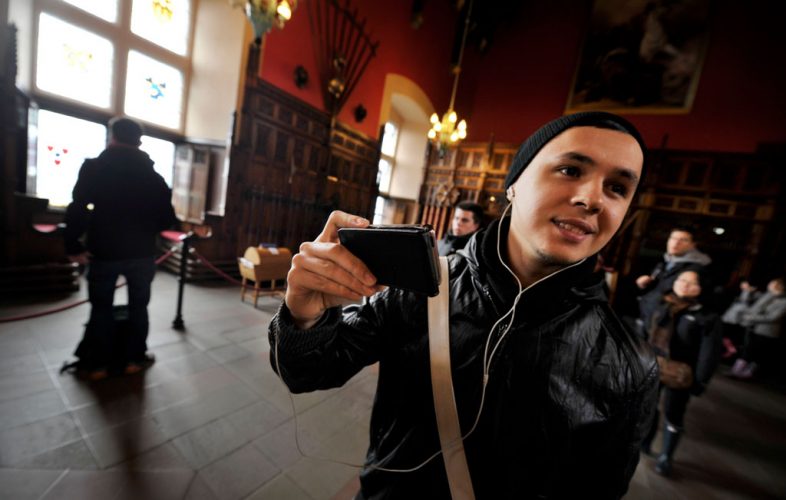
[(105, 9), (163, 22), (63, 144), (162, 153), (154, 91), (73, 62)]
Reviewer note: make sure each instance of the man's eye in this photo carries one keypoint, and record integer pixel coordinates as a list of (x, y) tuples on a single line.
[(619, 189), (570, 171)]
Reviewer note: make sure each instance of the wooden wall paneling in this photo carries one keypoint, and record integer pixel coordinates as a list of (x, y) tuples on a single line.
[(289, 167), (735, 192), (472, 171), (354, 161), (425, 202), (443, 212)]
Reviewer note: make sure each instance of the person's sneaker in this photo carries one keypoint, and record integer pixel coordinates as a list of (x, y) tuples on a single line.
[(97, 374), (647, 450), (748, 371), (139, 365), (663, 467), (738, 367)]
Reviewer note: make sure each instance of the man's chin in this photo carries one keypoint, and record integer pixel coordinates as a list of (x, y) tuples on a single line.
[(555, 260)]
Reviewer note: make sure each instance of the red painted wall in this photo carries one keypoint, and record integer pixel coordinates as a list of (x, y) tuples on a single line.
[(523, 80), (421, 55), (740, 102)]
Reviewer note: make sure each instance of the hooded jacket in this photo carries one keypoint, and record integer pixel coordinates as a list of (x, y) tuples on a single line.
[(568, 399), (121, 203), (664, 274)]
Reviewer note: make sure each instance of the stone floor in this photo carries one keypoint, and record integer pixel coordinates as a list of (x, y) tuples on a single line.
[(209, 420)]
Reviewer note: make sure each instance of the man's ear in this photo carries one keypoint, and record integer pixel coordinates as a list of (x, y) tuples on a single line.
[(511, 193)]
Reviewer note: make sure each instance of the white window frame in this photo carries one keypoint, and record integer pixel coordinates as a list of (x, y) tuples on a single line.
[(382, 198), (390, 158)]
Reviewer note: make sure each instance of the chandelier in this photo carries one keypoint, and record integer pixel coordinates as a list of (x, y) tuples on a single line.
[(266, 14), (449, 131)]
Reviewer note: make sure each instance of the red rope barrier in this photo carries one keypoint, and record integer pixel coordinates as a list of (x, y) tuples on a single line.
[(75, 304), (165, 256), (215, 269), (277, 293), (42, 313)]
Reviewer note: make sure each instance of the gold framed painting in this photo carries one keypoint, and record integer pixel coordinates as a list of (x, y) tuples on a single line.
[(641, 56)]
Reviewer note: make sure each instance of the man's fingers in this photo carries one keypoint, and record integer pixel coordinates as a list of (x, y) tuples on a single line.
[(335, 255), (344, 270), (309, 296), (331, 289), (325, 274), (337, 220)]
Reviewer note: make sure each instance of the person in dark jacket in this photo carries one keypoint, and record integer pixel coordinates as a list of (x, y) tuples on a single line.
[(681, 255), (683, 330), (467, 219), (120, 203), (553, 394)]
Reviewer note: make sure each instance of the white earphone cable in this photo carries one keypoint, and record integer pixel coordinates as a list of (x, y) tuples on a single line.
[(487, 360)]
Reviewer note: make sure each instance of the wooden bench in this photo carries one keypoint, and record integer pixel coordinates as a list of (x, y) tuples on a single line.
[(263, 264)]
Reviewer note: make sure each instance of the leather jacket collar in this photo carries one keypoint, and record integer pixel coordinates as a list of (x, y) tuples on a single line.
[(577, 280)]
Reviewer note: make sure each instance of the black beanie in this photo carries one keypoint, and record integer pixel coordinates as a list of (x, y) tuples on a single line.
[(552, 129)]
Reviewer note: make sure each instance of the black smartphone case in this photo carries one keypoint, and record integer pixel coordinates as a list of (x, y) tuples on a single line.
[(400, 256)]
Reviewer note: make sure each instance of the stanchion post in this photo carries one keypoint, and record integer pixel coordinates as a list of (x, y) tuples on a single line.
[(178, 323)]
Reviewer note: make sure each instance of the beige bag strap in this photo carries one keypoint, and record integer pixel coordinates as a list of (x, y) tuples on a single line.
[(442, 386)]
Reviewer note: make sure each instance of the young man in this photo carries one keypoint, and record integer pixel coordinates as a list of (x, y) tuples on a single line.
[(121, 203), (681, 255), (568, 392), (466, 222)]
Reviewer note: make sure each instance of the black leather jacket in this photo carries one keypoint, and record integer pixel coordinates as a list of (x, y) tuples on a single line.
[(450, 243), (568, 399)]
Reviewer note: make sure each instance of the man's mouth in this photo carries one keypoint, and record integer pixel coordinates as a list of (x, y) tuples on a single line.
[(578, 228)]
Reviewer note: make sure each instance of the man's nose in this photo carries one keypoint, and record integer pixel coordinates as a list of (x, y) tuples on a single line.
[(590, 196)]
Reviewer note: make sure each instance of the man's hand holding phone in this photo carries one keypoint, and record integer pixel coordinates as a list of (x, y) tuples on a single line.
[(325, 274)]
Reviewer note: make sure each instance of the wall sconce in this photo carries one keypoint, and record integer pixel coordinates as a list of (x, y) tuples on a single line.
[(360, 113), (337, 84), (301, 76), (265, 14)]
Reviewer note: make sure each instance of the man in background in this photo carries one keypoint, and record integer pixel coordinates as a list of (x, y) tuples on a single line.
[(467, 219), (120, 203), (681, 255)]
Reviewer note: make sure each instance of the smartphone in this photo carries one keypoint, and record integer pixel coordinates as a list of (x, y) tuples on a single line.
[(399, 256)]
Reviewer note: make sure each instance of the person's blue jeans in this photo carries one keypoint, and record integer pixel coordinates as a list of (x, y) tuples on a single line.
[(102, 278)]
